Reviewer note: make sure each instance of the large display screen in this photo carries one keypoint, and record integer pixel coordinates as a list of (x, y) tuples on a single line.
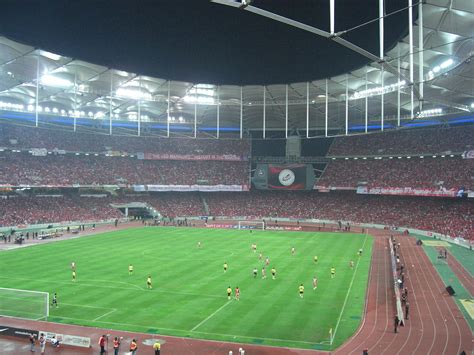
[(284, 177)]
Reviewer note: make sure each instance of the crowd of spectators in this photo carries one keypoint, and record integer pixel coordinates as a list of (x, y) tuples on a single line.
[(434, 173), (22, 137), (413, 141), (169, 204), (454, 217), (450, 216), (20, 210), (66, 170)]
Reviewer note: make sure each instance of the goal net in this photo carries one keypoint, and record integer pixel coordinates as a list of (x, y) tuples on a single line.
[(252, 225), (24, 303)]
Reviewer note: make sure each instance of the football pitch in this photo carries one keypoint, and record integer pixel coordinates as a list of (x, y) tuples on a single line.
[(189, 295)]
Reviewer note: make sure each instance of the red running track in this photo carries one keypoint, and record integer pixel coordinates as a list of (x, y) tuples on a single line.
[(435, 326)]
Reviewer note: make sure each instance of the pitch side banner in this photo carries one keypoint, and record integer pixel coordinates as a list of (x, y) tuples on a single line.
[(17, 332), (406, 191), (66, 339), (220, 157), (283, 228), (288, 177)]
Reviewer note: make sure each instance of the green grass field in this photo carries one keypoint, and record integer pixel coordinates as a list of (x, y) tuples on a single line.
[(189, 285)]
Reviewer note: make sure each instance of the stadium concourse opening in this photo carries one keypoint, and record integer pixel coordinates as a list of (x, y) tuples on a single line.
[(303, 212)]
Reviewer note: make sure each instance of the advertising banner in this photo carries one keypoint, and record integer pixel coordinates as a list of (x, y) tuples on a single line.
[(406, 191), (469, 154), (197, 188), (221, 157), (39, 152), (283, 228), (66, 339), (17, 332)]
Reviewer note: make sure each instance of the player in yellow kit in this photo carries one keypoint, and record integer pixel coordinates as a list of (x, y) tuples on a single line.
[(148, 282), (333, 272), (301, 290), (130, 269), (229, 292)]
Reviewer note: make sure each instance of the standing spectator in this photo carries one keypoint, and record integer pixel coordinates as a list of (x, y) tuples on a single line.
[(404, 298), (396, 323), (133, 347), (117, 345), (157, 347), (102, 341), (32, 342), (42, 342), (407, 309)]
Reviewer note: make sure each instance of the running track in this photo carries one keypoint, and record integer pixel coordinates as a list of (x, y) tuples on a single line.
[(435, 326)]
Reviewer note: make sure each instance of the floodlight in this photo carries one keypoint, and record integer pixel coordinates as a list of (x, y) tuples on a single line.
[(245, 3)]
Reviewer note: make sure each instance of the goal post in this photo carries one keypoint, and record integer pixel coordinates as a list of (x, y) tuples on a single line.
[(258, 225), (24, 303)]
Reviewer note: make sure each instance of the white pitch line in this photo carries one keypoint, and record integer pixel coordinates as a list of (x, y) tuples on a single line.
[(103, 315), (212, 315), (347, 294), (85, 306)]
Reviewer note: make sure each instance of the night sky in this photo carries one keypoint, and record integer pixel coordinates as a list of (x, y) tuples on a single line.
[(198, 41)]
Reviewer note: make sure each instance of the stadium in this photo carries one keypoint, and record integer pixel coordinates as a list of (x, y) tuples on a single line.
[(237, 177)]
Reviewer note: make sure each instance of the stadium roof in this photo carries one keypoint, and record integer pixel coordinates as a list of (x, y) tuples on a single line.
[(70, 87)]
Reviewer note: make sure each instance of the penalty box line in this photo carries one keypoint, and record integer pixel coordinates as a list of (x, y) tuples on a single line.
[(212, 315)]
